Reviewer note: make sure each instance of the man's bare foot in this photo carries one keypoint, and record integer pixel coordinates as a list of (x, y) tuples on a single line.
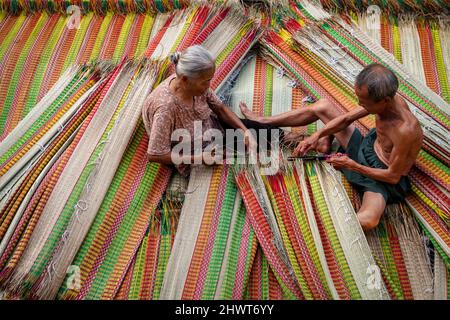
[(250, 115), (324, 144)]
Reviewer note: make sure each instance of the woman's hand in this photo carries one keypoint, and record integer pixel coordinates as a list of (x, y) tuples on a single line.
[(211, 159), (212, 156)]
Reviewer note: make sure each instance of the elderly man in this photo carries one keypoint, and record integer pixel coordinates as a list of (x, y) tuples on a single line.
[(377, 164)]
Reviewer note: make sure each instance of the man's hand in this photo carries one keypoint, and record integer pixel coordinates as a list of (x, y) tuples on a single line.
[(341, 161), (307, 144)]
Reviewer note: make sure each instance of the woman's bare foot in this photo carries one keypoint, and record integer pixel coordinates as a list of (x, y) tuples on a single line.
[(249, 114), (324, 144)]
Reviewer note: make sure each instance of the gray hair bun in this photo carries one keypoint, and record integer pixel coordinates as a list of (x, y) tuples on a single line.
[(193, 61), (175, 57)]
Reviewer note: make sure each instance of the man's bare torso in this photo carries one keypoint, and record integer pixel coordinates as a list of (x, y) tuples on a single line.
[(392, 128)]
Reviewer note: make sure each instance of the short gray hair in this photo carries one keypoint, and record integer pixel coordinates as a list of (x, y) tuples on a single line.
[(192, 61), (380, 81)]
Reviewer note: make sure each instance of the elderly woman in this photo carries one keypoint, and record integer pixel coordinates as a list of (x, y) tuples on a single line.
[(184, 98)]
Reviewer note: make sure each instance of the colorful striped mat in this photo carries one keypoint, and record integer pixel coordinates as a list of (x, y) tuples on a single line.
[(214, 246), (318, 248), (72, 227), (411, 40), (325, 73), (420, 7)]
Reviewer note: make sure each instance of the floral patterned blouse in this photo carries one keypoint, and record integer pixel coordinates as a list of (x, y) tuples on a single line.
[(163, 112)]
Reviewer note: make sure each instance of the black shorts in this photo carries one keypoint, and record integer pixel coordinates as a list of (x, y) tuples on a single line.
[(263, 134), (361, 150)]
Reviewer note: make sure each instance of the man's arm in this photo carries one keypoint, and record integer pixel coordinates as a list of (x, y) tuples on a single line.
[(401, 161), (400, 164), (389, 175), (330, 128), (341, 122)]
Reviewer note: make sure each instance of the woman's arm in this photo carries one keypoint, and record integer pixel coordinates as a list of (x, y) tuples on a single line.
[(223, 112), (163, 159), (204, 158), (229, 117)]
